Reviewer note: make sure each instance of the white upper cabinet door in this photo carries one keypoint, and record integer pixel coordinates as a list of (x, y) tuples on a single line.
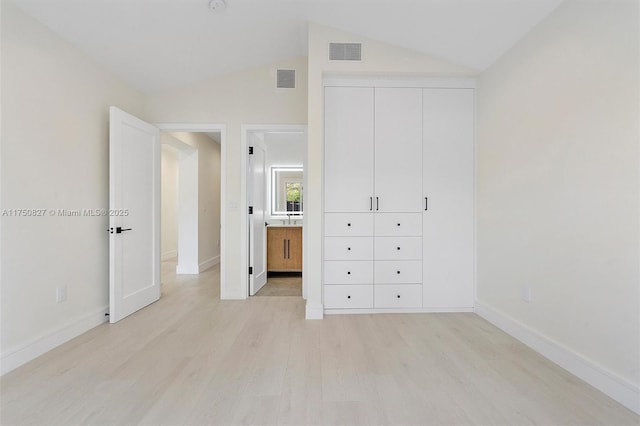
[(398, 150), (348, 149), (449, 185)]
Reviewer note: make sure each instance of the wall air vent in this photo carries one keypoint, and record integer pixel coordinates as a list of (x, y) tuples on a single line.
[(345, 51), (286, 79)]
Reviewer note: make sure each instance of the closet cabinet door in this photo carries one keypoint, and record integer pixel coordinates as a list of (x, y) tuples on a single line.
[(398, 149), (348, 149), (276, 249), (294, 249), (449, 185)]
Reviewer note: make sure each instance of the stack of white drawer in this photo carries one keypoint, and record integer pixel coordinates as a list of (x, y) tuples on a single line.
[(373, 261), (348, 260), (398, 260)]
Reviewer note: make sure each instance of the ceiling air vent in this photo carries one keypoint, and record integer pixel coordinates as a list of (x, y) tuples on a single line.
[(345, 51), (286, 79)]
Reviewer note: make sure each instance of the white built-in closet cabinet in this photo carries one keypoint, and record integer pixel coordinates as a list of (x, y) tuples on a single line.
[(398, 196)]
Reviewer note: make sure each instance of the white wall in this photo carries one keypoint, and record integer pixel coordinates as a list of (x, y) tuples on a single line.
[(378, 59), (208, 196), (55, 149), (558, 188), (283, 149), (169, 196), (248, 97)]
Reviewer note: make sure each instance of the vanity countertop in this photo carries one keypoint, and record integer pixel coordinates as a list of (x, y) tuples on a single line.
[(286, 225)]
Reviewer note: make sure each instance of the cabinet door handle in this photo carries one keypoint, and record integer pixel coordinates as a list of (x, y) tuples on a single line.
[(288, 249), (426, 204), (398, 272), (377, 204), (370, 204), (284, 248), (398, 296)]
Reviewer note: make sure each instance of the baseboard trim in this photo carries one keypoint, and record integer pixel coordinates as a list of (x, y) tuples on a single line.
[(182, 269), (15, 357), (167, 255), (232, 295), (619, 389), (313, 311), (396, 311), (209, 263)]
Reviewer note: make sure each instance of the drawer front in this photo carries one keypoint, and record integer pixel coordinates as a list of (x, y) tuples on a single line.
[(348, 248), (398, 224), (398, 272), (348, 296), (398, 248), (348, 224), (398, 296), (348, 272)]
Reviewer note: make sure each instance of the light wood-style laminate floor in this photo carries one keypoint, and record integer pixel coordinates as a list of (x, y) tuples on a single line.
[(193, 359), (282, 285)]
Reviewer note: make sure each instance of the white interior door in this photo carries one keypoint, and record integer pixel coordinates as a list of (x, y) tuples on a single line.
[(134, 217), (257, 231)]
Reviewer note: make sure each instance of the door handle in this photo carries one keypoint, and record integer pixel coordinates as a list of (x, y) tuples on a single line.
[(120, 230), (288, 249), (377, 204), (370, 204), (284, 248), (426, 204)]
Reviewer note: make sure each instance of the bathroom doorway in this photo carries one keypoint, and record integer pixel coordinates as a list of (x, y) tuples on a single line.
[(274, 179)]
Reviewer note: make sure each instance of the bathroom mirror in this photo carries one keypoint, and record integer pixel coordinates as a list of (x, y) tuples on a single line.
[(286, 191)]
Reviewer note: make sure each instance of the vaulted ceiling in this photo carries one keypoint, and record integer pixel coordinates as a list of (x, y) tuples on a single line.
[(156, 44)]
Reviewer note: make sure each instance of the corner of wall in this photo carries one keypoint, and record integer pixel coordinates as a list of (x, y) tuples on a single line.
[(621, 390), (314, 311)]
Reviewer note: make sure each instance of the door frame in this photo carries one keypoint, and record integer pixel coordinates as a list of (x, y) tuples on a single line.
[(259, 143), (202, 128), (244, 206)]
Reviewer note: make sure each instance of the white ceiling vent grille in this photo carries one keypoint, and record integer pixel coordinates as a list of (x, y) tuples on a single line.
[(345, 51), (286, 79)]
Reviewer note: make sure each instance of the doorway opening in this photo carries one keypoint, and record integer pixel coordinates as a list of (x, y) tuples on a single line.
[(274, 178), (193, 187)]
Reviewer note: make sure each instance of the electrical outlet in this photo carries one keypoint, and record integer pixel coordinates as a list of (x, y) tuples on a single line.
[(527, 295), (61, 294)]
